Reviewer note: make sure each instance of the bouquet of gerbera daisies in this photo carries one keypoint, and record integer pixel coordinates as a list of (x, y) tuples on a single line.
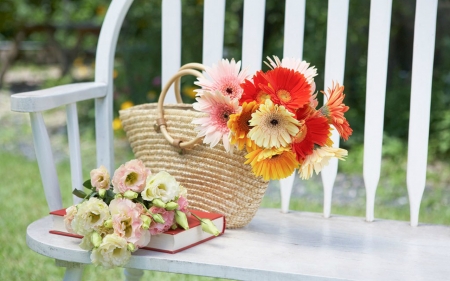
[(273, 115), (120, 215)]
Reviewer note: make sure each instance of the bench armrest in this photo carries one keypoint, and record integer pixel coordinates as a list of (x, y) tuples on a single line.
[(45, 99)]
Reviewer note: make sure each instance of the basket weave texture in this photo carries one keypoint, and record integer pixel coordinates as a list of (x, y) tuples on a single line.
[(217, 181)]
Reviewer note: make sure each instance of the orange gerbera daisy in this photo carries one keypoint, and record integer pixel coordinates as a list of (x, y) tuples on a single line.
[(272, 164), (239, 126), (287, 87), (315, 130), (334, 110), (252, 90)]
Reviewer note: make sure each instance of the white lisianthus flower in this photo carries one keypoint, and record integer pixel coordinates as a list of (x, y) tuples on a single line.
[(86, 243), (91, 214), (163, 186), (113, 251)]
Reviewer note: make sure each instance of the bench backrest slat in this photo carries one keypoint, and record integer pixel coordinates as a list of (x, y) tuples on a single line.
[(334, 71), (213, 31), (253, 34), (377, 65), (419, 122)]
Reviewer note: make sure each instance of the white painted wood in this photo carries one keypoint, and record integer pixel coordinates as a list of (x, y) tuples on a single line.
[(377, 63), (253, 34), (171, 43), (74, 271), (44, 155), (41, 100), (334, 71), (294, 28), (132, 274), (286, 186), (419, 122), (73, 134), (73, 274), (104, 62), (213, 31), (293, 246)]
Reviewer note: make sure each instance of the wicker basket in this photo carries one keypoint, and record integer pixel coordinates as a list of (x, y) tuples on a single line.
[(163, 137)]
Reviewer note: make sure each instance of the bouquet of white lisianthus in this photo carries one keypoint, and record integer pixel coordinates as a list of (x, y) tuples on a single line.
[(119, 215)]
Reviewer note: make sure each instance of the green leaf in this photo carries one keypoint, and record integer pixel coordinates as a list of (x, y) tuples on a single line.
[(79, 193), (88, 184)]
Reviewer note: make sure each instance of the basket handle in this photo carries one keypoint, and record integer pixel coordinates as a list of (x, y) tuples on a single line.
[(187, 69), (192, 65)]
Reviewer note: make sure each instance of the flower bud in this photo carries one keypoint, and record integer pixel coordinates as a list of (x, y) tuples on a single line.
[(171, 206), (174, 226), (131, 247), (108, 223), (101, 192), (118, 195), (130, 194), (181, 219), (146, 221), (96, 239), (158, 203), (158, 218), (210, 227)]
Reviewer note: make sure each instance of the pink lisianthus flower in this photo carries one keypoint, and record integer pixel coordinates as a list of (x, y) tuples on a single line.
[(130, 176), (168, 216), (214, 126), (127, 222), (225, 77), (68, 218), (100, 178), (183, 205)]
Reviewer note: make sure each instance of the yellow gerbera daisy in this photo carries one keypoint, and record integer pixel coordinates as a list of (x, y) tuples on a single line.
[(239, 126), (319, 159), (272, 164), (273, 126)]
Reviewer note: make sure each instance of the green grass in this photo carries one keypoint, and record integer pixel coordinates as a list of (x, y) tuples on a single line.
[(22, 201)]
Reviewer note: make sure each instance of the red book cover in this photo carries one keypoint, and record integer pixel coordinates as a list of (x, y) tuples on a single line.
[(171, 241)]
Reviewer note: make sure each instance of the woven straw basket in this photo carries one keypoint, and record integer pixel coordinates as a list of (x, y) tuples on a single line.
[(163, 137)]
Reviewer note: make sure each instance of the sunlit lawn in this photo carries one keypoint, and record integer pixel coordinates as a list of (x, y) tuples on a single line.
[(22, 201)]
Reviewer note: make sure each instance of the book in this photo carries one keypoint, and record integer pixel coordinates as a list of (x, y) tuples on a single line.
[(171, 241)]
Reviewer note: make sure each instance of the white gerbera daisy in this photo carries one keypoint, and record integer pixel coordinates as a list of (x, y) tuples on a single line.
[(273, 126), (319, 159)]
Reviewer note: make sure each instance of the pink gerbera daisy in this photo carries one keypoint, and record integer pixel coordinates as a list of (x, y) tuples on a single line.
[(214, 126), (225, 77)]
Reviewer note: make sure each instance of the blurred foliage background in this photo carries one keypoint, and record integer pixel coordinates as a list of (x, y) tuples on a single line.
[(65, 32)]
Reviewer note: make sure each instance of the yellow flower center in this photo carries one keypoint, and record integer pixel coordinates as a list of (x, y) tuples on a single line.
[(284, 95), (131, 178), (94, 217), (261, 97)]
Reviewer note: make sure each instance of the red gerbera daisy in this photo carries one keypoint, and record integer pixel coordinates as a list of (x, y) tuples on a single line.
[(252, 90), (287, 87), (315, 130)]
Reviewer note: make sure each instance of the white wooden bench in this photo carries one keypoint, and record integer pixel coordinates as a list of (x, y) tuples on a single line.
[(275, 245)]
